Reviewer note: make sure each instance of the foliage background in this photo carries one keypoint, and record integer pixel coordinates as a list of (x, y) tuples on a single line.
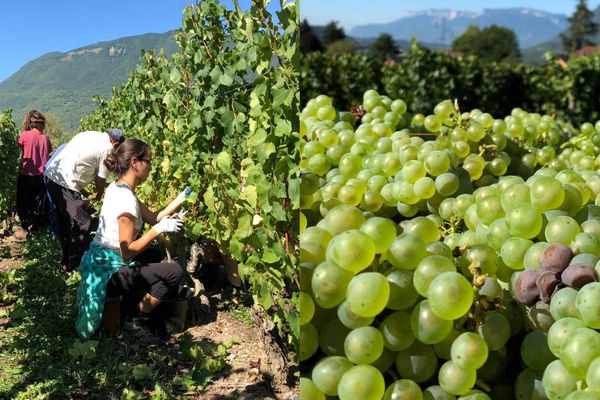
[(222, 117)]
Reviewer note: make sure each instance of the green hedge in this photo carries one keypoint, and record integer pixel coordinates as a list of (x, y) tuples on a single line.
[(425, 77)]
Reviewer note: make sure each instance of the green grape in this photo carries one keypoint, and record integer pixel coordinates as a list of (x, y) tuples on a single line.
[(350, 164), (583, 395), (413, 170), (424, 228), (475, 132), (363, 345), (546, 193), (368, 293), (398, 106), (391, 164), (432, 123), (332, 334), (350, 319), (437, 393), (307, 308), (406, 251), (427, 326), (403, 389), (535, 352), (450, 295), (557, 381), (462, 203), (587, 305), (309, 341), (424, 187), (578, 350), (483, 257), (528, 385), (560, 330), (524, 221), (446, 184), (326, 112), (361, 382), (352, 250), (404, 192), (382, 232), (429, 268), (396, 332), (402, 291), (469, 351), (471, 218), (443, 348), (513, 252), (371, 201), (573, 200), (385, 361), (533, 255), (495, 330), (350, 195), (313, 244), (329, 284), (343, 218), (498, 233), (436, 163), (309, 391), (592, 377), (562, 303), (417, 363), (327, 373), (456, 380), (586, 243), (489, 209)]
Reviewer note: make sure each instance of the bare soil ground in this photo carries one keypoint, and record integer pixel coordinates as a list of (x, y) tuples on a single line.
[(249, 374)]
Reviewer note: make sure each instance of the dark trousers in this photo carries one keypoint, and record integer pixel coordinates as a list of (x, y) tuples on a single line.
[(73, 222), (31, 205), (160, 279)]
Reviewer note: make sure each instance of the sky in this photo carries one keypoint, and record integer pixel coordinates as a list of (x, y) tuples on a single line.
[(32, 28), (349, 13)]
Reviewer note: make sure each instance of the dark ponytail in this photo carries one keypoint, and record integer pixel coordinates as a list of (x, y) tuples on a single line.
[(120, 161)]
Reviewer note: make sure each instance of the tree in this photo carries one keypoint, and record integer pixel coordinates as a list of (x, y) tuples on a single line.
[(341, 46), (332, 33), (383, 47), (581, 30), (492, 43), (309, 41)]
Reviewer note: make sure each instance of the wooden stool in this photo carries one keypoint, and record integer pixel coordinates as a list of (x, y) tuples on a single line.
[(111, 317)]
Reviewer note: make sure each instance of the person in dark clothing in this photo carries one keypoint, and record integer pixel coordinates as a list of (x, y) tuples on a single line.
[(31, 191)]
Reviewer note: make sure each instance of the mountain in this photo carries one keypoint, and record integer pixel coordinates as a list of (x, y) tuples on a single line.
[(62, 84), (535, 54), (443, 25)]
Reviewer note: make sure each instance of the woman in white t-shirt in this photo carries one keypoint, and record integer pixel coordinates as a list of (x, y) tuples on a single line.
[(111, 264)]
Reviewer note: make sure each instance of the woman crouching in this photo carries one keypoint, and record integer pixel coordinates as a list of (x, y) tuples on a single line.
[(114, 264)]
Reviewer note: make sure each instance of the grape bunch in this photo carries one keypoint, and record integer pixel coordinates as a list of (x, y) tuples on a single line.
[(446, 256)]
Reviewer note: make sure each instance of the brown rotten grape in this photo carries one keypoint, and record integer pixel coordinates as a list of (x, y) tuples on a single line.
[(546, 282), (556, 257), (525, 287), (577, 275)]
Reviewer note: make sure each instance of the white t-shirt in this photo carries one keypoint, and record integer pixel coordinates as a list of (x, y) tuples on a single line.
[(117, 201), (81, 160)]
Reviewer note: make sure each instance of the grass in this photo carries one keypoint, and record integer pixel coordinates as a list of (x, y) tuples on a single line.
[(42, 358)]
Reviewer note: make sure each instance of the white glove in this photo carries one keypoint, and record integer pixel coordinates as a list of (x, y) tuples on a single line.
[(182, 196), (168, 224), (181, 214)]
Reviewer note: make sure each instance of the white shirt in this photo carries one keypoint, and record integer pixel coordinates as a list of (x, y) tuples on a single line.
[(118, 200), (81, 160)]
